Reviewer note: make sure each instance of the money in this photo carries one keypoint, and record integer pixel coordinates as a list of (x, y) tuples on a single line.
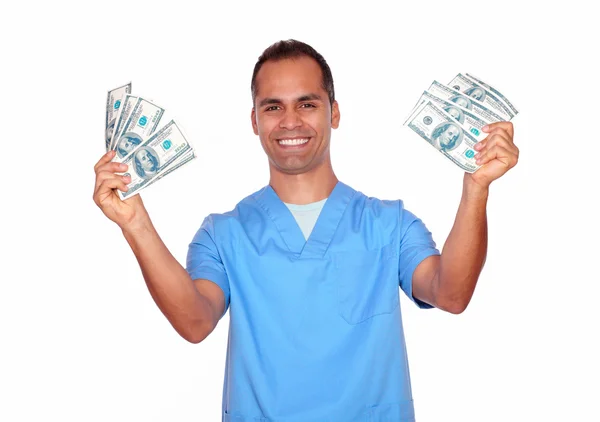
[(123, 114), (474, 90), (153, 157), (113, 104), (496, 92), (452, 120), (184, 159), (149, 153), (446, 93), (442, 131), (468, 120), (140, 124)]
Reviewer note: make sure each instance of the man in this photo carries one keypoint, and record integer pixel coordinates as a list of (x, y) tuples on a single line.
[(127, 143), (315, 325), (476, 92), (461, 101), (146, 162), (447, 136), (109, 130), (457, 113)]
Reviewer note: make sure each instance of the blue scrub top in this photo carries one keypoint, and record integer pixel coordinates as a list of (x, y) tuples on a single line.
[(315, 328)]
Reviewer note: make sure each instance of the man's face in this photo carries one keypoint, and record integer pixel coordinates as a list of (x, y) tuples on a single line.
[(290, 107), (461, 102), (129, 144), (454, 113), (477, 94), (109, 129), (449, 135), (145, 160)]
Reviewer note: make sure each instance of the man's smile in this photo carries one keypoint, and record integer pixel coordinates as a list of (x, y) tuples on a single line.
[(293, 143)]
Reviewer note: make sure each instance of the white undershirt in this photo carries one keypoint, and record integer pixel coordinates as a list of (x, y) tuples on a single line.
[(306, 215)]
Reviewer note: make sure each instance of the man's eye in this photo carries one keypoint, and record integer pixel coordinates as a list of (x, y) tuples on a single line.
[(269, 108), (308, 104)]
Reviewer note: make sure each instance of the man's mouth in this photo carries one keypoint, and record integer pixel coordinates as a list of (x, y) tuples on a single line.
[(292, 141)]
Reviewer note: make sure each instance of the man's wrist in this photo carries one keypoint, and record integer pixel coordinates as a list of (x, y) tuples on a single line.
[(473, 190), (137, 227)]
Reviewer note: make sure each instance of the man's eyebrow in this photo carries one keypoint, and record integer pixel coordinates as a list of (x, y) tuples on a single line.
[(307, 97), (269, 101)]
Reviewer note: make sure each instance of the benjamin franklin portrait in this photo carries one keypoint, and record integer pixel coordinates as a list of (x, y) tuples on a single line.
[(456, 112), (447, 136), (127, 143), (146, 162), (462, 101), (109, 130), (475, 92)]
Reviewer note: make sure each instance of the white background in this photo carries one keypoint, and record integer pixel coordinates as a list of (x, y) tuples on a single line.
[(82, 339)]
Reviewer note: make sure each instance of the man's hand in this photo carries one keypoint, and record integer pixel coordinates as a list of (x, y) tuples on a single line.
[(124, 213), (496, 154)]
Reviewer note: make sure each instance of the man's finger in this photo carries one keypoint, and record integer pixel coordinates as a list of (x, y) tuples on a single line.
[(499, 131), (496, 131), (105, 159), (105, 190), (107, 175), (112, 167), (508, 126), (496, 152), (496, 138), (113, 183)]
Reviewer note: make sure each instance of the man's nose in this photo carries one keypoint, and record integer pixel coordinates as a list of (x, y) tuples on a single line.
[(290, 119)]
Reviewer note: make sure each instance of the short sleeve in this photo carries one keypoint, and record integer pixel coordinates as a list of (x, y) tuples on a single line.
[(416, 244), (204, 260)]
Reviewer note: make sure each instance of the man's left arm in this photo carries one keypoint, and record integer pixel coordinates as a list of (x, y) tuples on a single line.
[(448, 281)]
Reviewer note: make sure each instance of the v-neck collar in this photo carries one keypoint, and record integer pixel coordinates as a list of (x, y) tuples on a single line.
[(317, 243)]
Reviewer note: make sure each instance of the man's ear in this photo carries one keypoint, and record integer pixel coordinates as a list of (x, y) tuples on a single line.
[(335, 115), (254, 123)]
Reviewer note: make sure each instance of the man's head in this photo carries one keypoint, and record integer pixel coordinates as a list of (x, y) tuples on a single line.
[(456, 113), (293, 100), (127, 143), (476, 93), (109, 130), (461, 101), (146, 163), (447, 136)]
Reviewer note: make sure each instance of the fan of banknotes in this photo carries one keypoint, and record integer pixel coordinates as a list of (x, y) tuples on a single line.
[(450, 117), (150, 147)]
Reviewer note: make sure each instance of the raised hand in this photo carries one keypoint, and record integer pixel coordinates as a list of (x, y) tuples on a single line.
[(496, 154), (123, 213)]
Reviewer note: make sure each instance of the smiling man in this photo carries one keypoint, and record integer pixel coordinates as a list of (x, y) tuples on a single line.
[(310, 268)]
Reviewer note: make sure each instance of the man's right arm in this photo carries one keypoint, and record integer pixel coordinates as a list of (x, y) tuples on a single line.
[(193, 307)]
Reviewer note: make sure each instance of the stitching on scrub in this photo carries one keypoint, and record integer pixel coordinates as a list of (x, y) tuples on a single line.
[(350, 198), (272, 220)]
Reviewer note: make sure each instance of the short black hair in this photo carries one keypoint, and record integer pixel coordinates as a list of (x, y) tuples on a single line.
[(290, 49)]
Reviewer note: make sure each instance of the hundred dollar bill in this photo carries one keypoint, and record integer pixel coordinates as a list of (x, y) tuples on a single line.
[(446, 93), (474, 90), (153, 157), (468, 120), (180, 162), (496, 93), (142, 123), (113, 103), (127, 104), (443, 132)]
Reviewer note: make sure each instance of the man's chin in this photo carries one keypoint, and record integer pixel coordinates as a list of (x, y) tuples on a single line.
[(291, 168)]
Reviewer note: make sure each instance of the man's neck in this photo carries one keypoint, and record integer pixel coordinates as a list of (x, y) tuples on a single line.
[(304, 188)]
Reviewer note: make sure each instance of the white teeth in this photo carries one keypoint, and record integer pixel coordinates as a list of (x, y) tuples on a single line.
[(293, 141)]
